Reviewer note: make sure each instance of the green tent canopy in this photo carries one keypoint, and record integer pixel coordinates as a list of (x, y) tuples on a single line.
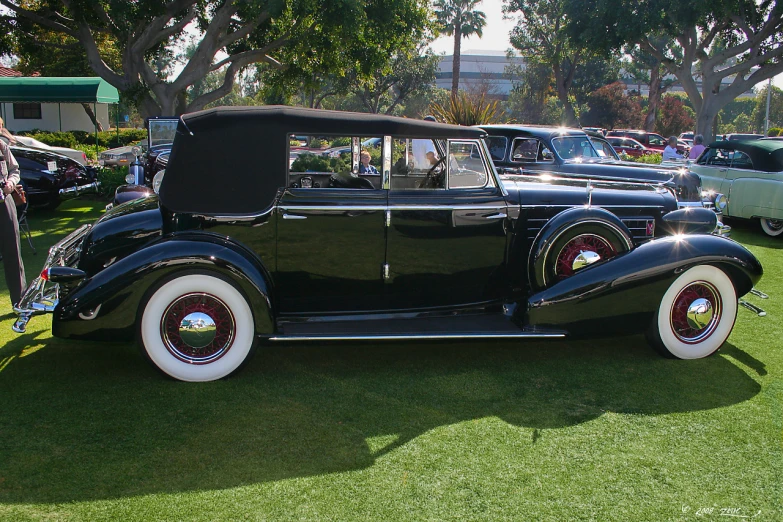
[(57, 90)]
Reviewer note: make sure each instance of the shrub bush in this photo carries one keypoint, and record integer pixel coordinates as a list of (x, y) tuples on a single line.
[(650, 159), (775, 131), (311, 163), (55, 139), (106, 139), (111, 179), (341, 142)]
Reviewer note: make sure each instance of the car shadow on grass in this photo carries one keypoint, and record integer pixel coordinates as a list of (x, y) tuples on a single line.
[(87, 421)]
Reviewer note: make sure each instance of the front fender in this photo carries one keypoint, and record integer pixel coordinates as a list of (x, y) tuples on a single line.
[(105, 306), (622, 294)]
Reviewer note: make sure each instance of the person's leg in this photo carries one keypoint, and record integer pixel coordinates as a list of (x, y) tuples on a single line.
[(12, 259)]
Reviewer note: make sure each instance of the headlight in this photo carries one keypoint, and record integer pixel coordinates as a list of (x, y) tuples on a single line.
[(130, 179), (157, 180), (721, 201)]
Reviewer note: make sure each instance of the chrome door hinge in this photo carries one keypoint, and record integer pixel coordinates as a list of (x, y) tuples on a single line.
[(388, 218), (386, 271)]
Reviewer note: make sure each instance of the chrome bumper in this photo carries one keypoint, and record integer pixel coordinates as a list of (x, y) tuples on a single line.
[(41, 296), (72, 192)]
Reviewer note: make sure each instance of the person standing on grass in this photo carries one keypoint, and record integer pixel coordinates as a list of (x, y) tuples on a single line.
[(9, 226)]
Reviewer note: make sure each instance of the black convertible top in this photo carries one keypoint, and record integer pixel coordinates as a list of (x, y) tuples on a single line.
[(766, 155), (232, 160)]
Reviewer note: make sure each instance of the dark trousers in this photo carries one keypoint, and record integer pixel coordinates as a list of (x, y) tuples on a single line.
[(12, 259)]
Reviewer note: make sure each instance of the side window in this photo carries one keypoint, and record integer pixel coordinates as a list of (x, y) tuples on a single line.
[(497, 147), (332, 162), (715, 157), (656, 140), (466, 165), (524, 150), (416, 164), (740, 160)]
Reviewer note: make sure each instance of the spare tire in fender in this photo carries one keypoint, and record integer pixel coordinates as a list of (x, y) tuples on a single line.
[(572, 240)]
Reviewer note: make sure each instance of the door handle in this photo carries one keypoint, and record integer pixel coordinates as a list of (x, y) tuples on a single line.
[(497, 215), (293, 216)]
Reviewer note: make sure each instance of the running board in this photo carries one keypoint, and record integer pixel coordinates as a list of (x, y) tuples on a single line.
[(419, 336), (455, 327)]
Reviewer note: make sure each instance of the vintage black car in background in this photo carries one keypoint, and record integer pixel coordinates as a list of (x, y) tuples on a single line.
[(145, 162), (50, 178), (236, 249), (531, 150)]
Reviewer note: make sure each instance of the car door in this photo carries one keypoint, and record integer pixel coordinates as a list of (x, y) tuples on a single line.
[(712, 167), (751, 193), (331, 243), (446, 241)]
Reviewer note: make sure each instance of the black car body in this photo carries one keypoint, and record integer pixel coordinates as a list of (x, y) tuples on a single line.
[(533, 150), (443, 251), (49, 178)]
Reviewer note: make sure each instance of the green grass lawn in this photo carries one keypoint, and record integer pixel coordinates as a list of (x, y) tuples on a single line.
[(561, 430)]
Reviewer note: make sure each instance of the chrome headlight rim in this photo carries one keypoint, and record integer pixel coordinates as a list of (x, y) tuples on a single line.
[(721, 201), (157, 180)]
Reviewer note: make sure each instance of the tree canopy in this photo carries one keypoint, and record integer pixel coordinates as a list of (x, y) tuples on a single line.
[(727, 45), (236, 34)]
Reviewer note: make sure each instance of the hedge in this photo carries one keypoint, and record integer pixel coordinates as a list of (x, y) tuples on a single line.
[(106, 139), (775, 131)]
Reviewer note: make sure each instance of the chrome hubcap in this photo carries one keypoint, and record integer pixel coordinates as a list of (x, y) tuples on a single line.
[(696, 312), (580, 252), (699, 313), (585, 258), (197, 328)]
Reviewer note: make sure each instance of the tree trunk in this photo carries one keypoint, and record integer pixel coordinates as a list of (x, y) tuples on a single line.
[(93, 118), (653, 98), (562, 95), (705, 120), (455, 64)]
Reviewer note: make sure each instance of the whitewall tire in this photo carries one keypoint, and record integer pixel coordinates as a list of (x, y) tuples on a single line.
[(772, 227), (197, 328), (696, 314)]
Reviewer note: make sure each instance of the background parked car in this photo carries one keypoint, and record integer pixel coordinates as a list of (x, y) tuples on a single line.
[(119, 157), (750, 173), (531, 150), (32, 143), (51, 177), (651, 140), (741, 137), (630, 146)]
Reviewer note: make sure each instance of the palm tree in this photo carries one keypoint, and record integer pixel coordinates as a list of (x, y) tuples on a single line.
[(460, 19)]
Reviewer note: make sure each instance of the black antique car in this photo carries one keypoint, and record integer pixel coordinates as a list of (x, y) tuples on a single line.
[(51, 178), (236, 249), (531, 150)]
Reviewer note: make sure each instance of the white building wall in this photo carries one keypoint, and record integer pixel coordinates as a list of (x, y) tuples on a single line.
[(72, 116), (479, 71)]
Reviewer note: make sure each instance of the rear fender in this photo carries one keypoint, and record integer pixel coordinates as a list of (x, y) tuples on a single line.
[(622, 294), (105, 306)]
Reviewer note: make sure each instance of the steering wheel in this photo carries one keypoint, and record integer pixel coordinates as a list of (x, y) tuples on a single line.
[(434, 176)]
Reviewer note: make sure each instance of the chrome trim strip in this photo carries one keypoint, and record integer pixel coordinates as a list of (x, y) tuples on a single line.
[(598, 206), (387, 157), (400, 337), (344, 208), (293, 216)]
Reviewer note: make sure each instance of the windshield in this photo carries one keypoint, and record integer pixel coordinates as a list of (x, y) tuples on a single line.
[(161, 131), (573, 147)]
